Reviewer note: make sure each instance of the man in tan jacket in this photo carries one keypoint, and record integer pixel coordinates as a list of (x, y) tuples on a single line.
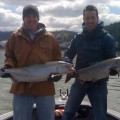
[(32, 44)]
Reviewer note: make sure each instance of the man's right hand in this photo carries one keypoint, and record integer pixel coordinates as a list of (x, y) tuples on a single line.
[(73, 74), (6, 75), (70, 74), (2, 72)]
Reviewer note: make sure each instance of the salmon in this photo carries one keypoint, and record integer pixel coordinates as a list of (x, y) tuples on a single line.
[(97, 71), (38, 72)]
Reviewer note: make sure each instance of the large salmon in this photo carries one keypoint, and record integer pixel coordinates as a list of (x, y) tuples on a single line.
[(98, 71), (38, 72)]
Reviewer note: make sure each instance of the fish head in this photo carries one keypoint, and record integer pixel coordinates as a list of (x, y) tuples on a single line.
[(63, 67)]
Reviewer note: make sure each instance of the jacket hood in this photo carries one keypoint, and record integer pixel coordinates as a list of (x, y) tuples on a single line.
[(99, 25), (98, 31), (41, 27)]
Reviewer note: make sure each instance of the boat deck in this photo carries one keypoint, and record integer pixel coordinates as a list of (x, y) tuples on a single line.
[(85, 113)]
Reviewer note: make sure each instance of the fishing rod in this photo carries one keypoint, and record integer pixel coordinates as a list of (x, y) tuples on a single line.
[(63, 31)]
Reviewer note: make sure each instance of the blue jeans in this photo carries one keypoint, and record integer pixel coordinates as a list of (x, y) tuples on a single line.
[(97, 94), (23, 106)]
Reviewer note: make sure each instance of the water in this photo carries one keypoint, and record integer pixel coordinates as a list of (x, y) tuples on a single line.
[(6, 97)]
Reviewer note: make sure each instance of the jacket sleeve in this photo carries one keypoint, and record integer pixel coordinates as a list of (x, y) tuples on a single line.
[(9, 52), (110, 47), (70, 51)]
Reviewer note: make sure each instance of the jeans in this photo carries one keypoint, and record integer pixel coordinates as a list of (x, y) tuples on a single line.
[(97, 94), (23, 106)]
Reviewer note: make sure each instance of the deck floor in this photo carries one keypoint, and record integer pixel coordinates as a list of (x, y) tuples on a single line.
[(85, 113)]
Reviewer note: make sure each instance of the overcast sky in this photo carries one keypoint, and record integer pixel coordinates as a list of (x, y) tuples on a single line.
[(57, 14)]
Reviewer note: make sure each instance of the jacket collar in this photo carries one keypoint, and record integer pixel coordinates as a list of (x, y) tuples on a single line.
[(98, 31), (23, 31)]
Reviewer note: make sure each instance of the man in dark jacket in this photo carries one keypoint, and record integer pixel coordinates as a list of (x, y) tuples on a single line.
[(93, 45)]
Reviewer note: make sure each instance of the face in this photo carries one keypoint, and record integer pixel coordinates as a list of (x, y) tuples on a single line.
[(31, 22), (90, 18)]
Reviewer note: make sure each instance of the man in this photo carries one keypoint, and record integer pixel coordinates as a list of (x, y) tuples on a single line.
[(93, 45), (32, 44)]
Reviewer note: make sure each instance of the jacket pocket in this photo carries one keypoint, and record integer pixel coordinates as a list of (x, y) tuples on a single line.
[(46, 50)]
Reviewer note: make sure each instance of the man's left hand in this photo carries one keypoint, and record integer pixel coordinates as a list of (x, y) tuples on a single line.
[(54, 77), (113, 72)]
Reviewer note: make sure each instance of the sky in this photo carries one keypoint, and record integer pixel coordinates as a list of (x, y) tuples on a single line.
[(57, 14)]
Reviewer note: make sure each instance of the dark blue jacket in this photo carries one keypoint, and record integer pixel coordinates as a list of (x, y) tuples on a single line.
[(90, 48)]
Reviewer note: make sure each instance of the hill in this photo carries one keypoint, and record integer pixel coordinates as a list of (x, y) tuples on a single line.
[(60, 35), (4, 35), (66, 36), (114, 29)]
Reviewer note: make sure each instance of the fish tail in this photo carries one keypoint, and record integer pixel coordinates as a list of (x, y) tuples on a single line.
[(68, 77), (76, 75)]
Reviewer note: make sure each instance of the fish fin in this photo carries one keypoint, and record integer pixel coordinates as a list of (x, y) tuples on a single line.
[(14, 80), (94, 80), (82, 82), (31, 84)]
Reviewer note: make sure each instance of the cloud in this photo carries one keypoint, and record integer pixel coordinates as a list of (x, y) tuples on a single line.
[(56, 15), (62, 9), (9, 20), (115, 3), (107, 18)]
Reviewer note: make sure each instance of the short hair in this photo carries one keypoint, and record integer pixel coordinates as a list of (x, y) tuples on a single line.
[(90, 8)]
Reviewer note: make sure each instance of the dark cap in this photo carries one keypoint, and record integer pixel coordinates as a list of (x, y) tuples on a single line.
[(30, 9)]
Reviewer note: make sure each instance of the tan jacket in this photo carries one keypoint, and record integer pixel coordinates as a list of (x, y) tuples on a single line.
[(21, 52)]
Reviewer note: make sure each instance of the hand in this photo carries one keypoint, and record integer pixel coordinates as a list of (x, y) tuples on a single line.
[(2, 71), (71, 74), (6, 75), (54, 77), (113, 72)]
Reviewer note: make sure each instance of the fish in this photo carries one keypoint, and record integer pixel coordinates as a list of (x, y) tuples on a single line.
[(97, 71), (38, 72)]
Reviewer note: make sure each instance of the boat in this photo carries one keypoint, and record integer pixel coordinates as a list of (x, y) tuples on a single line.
[(84, 112)]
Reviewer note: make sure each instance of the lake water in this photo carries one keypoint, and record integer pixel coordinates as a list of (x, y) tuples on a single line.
[(6, 97)]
